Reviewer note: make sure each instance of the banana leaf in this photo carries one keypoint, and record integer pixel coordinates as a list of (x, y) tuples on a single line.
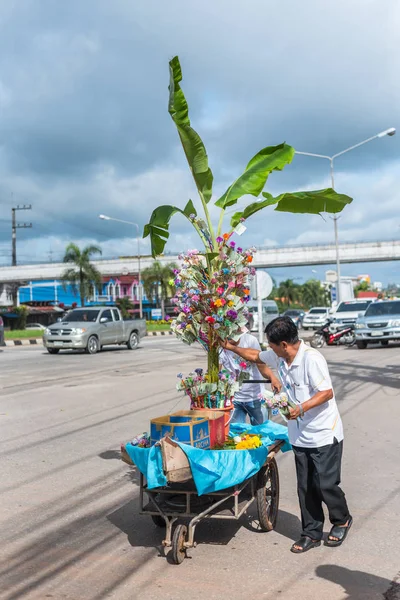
[(312, 202), (191, 141), (158, 226), (252, 181)]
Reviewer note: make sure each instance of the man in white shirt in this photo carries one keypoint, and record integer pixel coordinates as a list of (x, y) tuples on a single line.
[(315, 431), (247, 401)]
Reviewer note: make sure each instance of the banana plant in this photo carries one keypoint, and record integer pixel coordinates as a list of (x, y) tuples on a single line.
[(251, 182)]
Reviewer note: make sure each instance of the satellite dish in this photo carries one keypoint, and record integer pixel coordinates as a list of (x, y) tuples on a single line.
[(261, 283)]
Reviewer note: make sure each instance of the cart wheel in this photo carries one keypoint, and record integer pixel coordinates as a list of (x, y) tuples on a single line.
[(268, 496), (158, 520), (178, 552)]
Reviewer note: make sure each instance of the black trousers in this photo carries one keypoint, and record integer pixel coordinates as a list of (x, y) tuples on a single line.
[(318, 479)]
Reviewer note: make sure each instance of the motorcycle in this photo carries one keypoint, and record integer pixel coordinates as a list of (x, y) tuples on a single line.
[(333, 336)]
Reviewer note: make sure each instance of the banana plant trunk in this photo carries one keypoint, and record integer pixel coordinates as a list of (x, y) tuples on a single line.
[(213, 357)]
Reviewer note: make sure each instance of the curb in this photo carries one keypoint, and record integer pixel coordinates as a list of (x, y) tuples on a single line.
[(39, 341), (24, 342), (154, 333)]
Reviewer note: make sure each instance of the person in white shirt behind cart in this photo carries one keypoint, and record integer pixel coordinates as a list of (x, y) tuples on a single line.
[(315, 431), (246, 401)]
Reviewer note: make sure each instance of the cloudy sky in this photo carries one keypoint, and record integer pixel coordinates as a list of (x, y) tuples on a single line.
[(84, 127)]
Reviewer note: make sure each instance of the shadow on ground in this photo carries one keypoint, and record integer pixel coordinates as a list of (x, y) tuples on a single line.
[(359, 585)]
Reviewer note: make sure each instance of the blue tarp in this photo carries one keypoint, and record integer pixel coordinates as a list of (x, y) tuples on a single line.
[(213, 470)]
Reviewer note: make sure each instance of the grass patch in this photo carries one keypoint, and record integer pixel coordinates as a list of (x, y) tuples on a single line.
[(158, 326), (23, 334)]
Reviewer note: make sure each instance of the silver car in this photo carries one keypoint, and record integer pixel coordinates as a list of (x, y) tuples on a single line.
[(380, 323), (91, 328)]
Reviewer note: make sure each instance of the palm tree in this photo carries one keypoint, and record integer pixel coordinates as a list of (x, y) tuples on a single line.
[(83, 275), (157, 283), (289, 291), (314, 294), (125, 305)]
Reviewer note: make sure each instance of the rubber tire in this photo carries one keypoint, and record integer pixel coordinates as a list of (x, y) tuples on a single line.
[(96, 349), (158, 521), (53, 350), (317, 344), (306, 328), (353, 341), (268, 511), (135, 339), (178, 551), (361, 345), (385, 343)]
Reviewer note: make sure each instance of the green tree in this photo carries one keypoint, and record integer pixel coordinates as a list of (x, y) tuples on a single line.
[(22, 315), (363, 286), (157, 283), (289, 292), (82, 276), (125, 305), (251, 182), (312, 293)]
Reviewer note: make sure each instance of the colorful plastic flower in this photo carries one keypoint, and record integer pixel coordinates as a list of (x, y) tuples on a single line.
[(220, 240)]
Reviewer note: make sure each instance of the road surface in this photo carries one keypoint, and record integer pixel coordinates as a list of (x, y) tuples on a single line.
[(70, 527)]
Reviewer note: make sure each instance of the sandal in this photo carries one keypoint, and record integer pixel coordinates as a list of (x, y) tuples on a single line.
[(305, 544), (339, 532)]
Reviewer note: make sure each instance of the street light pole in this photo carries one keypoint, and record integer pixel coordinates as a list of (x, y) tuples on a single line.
[(106, 218), (331, 159)]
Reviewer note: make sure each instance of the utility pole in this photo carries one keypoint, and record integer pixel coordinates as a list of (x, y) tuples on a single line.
[(16, 226)]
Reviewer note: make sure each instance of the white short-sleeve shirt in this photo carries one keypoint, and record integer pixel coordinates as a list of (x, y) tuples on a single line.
[(231, 361), (307, 375)]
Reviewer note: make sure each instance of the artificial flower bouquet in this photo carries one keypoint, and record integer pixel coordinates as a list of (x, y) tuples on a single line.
[(277, 403), (206, 394)]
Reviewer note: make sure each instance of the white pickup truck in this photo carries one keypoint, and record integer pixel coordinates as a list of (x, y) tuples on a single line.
[(91, 328)]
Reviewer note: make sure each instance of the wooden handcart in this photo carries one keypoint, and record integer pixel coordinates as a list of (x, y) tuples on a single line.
[(179, 501)]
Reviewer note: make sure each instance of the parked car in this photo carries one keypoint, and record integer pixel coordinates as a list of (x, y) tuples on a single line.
[(269, 312), (316, 317), (296, 316), (2, 342), (92, 328), (348, 312), (380, 323), (36, 326)]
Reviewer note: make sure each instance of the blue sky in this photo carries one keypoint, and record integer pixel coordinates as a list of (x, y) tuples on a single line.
[(84, 127)]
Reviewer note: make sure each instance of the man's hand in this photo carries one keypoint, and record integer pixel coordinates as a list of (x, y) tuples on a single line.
[(227, 345), (276, 385), (294, 413)]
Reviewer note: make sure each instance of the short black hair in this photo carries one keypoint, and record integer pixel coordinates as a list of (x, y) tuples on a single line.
[(282, 329)]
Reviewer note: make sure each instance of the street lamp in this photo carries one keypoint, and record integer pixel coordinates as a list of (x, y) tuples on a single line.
[(391, 131), (106, 218)]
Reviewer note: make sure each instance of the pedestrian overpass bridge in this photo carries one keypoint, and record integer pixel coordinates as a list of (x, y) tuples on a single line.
[(279, 256)]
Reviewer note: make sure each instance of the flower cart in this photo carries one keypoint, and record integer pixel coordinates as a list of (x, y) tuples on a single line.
[(212, 287), (178, 508)]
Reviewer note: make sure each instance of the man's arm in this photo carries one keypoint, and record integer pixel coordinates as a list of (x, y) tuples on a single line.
[(316, 400), (318, 375), (249, 354), (267, 373)]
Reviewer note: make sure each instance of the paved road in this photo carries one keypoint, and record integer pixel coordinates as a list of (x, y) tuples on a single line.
[(69, 523)]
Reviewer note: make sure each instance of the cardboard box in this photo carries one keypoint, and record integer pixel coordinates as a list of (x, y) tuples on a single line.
[(188, 429), (216, 421)]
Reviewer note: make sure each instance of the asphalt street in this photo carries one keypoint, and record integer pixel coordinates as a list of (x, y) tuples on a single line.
[(69, 521)]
